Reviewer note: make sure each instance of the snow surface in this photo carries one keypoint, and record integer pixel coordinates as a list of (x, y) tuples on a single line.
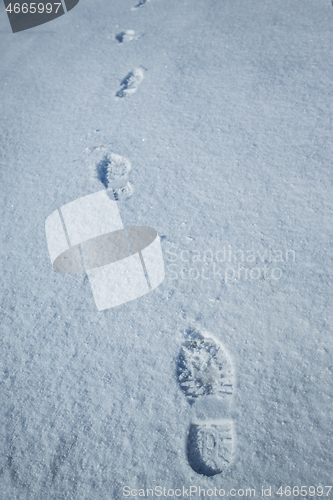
[(224, 110)]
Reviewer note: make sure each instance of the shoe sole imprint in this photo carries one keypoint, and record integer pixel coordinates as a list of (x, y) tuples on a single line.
[(205, 369), (210, 447)]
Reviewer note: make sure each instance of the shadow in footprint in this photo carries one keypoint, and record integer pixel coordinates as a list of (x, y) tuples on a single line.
[(102, 171), (209, 448), (140, 4), (126, 36)]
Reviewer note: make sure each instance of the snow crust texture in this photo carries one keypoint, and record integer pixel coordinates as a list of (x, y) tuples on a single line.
[(229, 136)]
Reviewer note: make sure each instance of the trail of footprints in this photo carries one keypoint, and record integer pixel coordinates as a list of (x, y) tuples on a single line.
[(112, 169), (132, 80), (205, 370)]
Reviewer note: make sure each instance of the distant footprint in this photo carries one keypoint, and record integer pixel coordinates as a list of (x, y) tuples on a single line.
[(112, 170), (126, 36), (130, 83), (140, 4), (204, 369)]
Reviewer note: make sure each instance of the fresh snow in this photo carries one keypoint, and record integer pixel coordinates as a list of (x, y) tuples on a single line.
[(215, 126)]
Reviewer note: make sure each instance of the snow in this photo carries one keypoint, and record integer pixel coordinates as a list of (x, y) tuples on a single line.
[(229, 138)]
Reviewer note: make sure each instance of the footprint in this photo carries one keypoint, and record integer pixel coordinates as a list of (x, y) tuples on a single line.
[(204, 369), (130, 83), (140, 4), (126, 36), (112, 170), (209, 447), (123, 193)]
